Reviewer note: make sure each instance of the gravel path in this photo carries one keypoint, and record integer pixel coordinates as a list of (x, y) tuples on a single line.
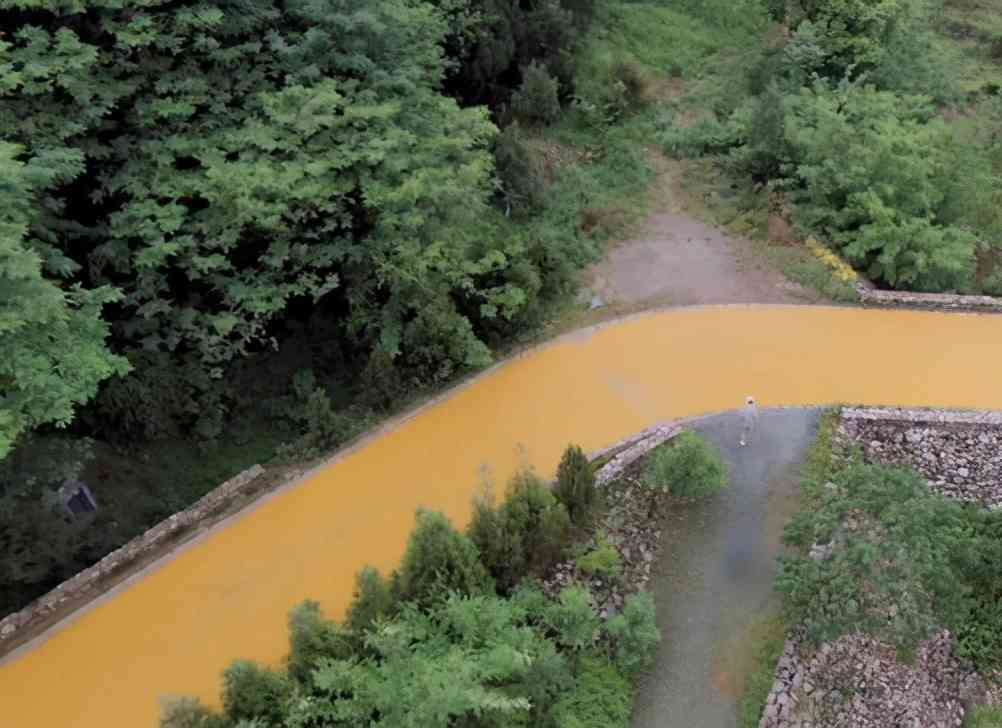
[(679, 260), (716, 573)]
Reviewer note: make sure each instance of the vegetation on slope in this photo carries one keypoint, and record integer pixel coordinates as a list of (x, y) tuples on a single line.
[(846, 120)]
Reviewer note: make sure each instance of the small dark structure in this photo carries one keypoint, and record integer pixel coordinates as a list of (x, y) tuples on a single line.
[(77, 498)]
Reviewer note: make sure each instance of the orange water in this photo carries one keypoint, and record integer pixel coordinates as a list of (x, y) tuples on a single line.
[(227, 596)]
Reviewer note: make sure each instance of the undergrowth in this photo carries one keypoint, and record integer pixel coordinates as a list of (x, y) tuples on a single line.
[(769, 636), (984, 717)]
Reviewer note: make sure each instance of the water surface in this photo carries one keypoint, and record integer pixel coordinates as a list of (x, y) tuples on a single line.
[(227, 596)]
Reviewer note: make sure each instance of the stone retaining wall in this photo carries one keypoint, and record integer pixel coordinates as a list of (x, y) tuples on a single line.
[(631, 525), (958, 452), (91, 581), (856, 680), (632, 449), (928, 301)]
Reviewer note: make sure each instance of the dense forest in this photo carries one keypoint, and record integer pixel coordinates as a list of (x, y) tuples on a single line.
[(236, 232), (191, 187)]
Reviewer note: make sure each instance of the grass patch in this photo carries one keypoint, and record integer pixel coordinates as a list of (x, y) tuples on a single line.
[(821, 464), (666, 40), (969, 34), (800, 265), (984, 717), (767, 636)]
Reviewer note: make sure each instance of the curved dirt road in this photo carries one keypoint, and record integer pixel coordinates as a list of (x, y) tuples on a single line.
[(227, 595)]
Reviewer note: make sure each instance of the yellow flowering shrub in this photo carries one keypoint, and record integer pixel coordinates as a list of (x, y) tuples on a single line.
[(841, 270)]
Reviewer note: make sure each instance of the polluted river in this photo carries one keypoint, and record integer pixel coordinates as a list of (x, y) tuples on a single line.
[(226, 594)]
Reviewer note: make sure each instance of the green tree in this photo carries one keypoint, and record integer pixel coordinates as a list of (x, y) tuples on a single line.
[(466, 662), (576, 485), (634, 634), (189, 713), (440, 560), (373, 599), (601, 698), (876, 175), (523, 536), (537, 99), (312, 637), (854, 34), (252, 692), (51, 331), (218, 199), (573, 619)]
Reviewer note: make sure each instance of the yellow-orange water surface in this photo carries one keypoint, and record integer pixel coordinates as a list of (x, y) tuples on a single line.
[(173, 631)]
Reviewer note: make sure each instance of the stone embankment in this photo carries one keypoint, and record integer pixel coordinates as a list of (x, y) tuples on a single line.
[(90, 582), (631, 523), (856, 680), (869, 296), (958, 452)]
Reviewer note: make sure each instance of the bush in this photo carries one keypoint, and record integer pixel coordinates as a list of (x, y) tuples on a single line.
[(252, 692), (573, 618), (602, 561), (769, 635), (880, 177), (535, 522), (576, 486), (979, 633), (635, 83), (686, 467), (984, 716), (706, 135), (312, 637), (321, 426), (601, 698), (896, 572), (438, 560), (38, 544), (537, 99), (520, 178), (189, 713), (992, 284), (619, 87), (766, 153), (530, 598), (160, 398), (525, 535), (634, 634), (373, 599)]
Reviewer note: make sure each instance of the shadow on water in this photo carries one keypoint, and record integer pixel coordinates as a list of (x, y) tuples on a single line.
[(715, 575)]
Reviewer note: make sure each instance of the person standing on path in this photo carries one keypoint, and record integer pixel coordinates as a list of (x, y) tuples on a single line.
[(749, 418)]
